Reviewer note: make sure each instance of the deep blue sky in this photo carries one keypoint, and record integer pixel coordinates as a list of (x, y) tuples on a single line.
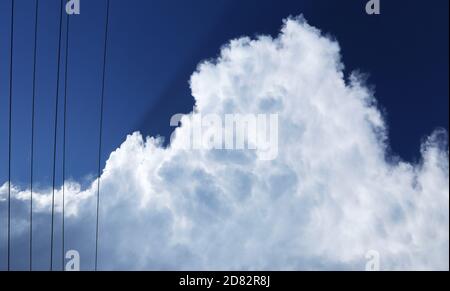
[(155, 45)]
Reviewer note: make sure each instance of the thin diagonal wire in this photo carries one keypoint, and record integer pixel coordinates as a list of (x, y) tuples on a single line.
[(55, 135), (10, 133), (64, 142), (32, 134), (101, 133)]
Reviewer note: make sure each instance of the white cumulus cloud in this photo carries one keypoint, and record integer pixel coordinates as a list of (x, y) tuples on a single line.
[(329, 197)]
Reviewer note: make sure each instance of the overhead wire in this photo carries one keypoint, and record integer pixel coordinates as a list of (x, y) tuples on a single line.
[(33, 133), (64, 139), (55, 136), (10, 132), (101, 133)]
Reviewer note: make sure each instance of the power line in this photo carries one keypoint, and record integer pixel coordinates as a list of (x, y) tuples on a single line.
[(55, 136), (64, 140), (101, 133), (10, 133), (32, 134)]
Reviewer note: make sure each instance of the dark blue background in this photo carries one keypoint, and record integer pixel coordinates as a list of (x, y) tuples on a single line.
[(155, 45)]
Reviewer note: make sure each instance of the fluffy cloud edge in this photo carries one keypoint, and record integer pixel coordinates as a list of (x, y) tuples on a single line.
[(148, 182)]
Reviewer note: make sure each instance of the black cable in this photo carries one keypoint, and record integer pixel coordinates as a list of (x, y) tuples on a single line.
[(32, 134), (64, 141), (101, 133), (55, 135), (10, 134)]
